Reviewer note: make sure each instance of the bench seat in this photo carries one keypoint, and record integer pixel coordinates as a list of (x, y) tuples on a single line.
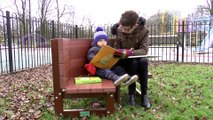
[(104, 86)]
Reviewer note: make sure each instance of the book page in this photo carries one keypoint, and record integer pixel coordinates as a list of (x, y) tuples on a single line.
[(104, 59), (147, 56)]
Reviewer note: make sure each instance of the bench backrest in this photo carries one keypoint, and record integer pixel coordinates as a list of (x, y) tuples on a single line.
[(69, 58)]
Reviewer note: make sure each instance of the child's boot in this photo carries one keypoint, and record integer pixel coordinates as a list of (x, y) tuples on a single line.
[(131, 80), (120, 79)]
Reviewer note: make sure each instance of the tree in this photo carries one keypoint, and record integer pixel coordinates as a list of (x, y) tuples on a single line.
[(210, 6), (22, 13), (203, 10), (44, 7), (87, 20), (65, 12), (162, 22)]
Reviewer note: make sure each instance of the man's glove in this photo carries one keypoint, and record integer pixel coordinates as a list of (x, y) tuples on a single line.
[(90, 68), (123, 53)]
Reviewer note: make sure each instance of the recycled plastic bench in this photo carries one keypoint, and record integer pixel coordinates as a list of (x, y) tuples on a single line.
[(68, 60)]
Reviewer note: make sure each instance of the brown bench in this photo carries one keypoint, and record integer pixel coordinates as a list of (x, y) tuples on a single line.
[(68, 60)]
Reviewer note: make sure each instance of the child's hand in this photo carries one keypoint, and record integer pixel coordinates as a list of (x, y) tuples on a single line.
[(90, 68)]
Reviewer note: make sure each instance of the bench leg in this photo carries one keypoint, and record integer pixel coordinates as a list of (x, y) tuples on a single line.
[(110, 100), (58, 101), (118, 98), (118, 95)]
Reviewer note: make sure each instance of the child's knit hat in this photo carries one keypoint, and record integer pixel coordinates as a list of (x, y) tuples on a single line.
[(100, 34)]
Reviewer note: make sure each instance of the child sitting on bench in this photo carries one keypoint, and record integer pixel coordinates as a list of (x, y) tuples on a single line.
[(116, 73)]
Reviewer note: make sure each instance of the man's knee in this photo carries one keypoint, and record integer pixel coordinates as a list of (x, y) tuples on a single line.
[(143, 61), (134, 62)]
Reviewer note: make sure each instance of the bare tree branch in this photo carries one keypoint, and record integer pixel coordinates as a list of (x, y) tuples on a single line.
[(208, 4)]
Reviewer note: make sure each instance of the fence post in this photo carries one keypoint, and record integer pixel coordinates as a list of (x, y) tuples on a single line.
[(183, 41), (53, 29), (9, 41), (177, 51), (76, 31)]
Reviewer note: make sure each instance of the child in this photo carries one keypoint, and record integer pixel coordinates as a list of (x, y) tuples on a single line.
[(116, 73)]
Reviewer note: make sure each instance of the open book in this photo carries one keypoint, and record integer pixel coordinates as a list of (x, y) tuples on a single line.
[(105, 60)]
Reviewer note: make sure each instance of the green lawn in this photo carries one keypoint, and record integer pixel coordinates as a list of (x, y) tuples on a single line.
[(177, 92)]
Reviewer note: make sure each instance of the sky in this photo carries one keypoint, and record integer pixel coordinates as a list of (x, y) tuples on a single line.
[(109, 11)]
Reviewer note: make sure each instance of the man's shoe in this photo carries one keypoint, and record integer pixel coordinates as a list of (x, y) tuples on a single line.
[(131, 100), (145, 102)]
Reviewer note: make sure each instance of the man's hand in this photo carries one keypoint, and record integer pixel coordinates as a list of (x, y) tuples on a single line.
[(123, 53)]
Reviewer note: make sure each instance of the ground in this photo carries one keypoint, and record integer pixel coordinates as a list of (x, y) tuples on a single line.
[(29, 94), (25, 94)]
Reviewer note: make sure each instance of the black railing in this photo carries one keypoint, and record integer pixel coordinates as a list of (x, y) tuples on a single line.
[(25, 44)]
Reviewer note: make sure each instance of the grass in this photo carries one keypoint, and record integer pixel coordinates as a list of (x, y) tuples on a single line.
[(177, 92), (182, 91)]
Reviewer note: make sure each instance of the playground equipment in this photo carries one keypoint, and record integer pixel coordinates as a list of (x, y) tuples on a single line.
[(199, 26), (207, 26), (172, 23), (206, 43)]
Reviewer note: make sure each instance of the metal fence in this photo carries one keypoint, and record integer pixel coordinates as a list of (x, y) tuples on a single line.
[(25, 43)]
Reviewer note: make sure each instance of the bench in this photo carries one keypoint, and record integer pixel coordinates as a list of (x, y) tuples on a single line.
[(68, 60)]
